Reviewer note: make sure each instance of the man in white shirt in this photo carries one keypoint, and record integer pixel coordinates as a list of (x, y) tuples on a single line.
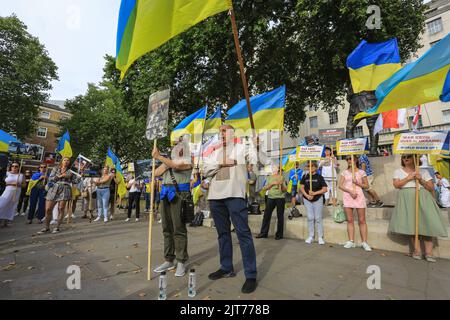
[(226, 169)]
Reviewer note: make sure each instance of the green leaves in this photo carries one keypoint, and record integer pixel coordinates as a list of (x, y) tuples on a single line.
[(26, 72)]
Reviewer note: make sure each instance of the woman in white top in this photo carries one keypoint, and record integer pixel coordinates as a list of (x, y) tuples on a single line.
[(403, 219), (10, 197), (329, 174)]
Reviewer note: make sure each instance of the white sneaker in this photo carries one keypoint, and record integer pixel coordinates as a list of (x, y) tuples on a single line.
[(23, 214), (321, 242), (53, 222), (166, 266), (366, 247), (160, 221), (309, 240), (98, 219), (137, 219), (73, 216), (181, 270), (349, 244), (111, 218), (127, 220), (105, 219), (16, 214)]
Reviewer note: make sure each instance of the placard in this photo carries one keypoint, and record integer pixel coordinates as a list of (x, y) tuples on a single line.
[(331, 136), (433, 142), (310, 153), (26, 151), (158, 115), (356, 146)]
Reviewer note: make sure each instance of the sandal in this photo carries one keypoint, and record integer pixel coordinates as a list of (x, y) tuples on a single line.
[(44, 231)]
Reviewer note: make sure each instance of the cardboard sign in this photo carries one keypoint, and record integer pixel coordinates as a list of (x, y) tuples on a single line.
[(356, 146), (158, 115), (26, 151), (434, 142), (310, 153)]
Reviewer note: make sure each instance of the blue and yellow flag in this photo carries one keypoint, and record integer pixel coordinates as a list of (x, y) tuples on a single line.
[(445, 97), (267, 110), (193, 125), (144, 25), (215, 121), (5, 140), (33, 182), (416, 83), (121, 187), (111, 159), (64, 148), (372, 63)]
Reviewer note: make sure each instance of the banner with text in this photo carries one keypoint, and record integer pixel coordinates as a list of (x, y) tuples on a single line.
[(434, 142), (309, 153), (346, 147)]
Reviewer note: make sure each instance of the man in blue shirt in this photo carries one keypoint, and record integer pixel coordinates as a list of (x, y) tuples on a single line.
[(295, 175), (375, 200)]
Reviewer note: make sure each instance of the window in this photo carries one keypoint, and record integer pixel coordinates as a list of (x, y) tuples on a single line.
[(42, 132), (434, 26), (358, 132), (446, 114), (313, 107), (333, 117), (45, 115), (385, 130), (419, 124), (313, 122)]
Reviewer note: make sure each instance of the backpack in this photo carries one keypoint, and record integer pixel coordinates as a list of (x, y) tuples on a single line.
[(198, 220), (295, 213)]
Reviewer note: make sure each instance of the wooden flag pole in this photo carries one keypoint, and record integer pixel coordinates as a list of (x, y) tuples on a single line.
[(90, 204), (416, 235), (69, 207), (241, 66), (150, 223), (281, 152), (310, 176), (353, 173)]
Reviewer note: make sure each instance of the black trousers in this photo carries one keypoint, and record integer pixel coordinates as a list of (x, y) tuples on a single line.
[(23, 201), (270, 205), (134, 197)]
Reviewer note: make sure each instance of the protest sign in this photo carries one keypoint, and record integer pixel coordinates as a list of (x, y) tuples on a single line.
[(158, 115), (352, 146), (434, 142)]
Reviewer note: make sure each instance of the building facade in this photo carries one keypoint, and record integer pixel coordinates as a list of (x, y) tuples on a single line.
[(433, 116)]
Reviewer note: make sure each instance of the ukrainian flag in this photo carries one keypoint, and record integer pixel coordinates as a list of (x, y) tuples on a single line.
[(144, 25), (111, 159), (267, 109), (64, 148), (372, 63), (416, 83), (286, 162), (33, 182), (193, 125), (5, 140), (215, 121), (121, 188)]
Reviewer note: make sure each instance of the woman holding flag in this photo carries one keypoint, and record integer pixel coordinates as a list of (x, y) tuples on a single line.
[(36, 190), (10, 197), (59, 192)]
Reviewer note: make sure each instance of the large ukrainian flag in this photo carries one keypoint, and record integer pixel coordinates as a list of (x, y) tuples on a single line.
[(5, 140), (144, 25), (121, 188), (215, 121), (267, 110), (111, 159), (193, 125), (416, 83), (64, 147), (372, 63)]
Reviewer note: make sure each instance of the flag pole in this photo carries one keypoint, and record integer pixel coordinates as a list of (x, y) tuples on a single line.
[(281, 151), (353, 173), (310, 175), (150, 222), (333, 197), (416, 235), (17, 183), (242, 70)]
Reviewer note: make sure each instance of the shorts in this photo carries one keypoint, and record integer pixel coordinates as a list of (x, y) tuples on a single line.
[(370, 179), (294, 191)]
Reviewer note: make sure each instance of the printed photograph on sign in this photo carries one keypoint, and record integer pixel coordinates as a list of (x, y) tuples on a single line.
[(26, 151), (435, 142), (158, 115)]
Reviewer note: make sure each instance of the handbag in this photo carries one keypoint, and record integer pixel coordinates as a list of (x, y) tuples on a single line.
[(339, 214), (187, 202)]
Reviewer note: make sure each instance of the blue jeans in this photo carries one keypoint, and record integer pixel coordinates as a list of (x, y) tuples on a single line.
[(37, 199), (103, 202), (147, 201), (236, 209)]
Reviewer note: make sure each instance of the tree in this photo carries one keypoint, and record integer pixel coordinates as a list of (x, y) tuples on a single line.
[(26, 72), (100, 121)]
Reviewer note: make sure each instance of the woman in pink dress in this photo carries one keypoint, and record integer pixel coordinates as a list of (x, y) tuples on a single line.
[(353, 198)]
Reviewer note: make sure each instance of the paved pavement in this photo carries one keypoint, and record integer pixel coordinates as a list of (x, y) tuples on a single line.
[(113, 259)]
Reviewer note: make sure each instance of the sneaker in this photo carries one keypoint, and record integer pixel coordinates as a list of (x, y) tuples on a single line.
[(379, 204), (430, 258), (127, 220), (22, 214), (349, 244), (53, 222), (73, 216), (56, 230), (166, 266), (309, 240), (16, 214), (111, 218), (181, 270), (366, 247), (98, 219), (160, 221), (44, 231), (321, 242), (249, 286), (105, 219), (372, 204), (219, 274), (416, 256), (137, 219)]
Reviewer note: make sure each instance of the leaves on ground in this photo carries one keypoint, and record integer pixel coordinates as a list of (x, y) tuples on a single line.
[(58, 255), (142, 294), (31, 268), (207, 298), (9, 266)]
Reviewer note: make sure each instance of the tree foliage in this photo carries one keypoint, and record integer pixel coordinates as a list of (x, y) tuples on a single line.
[(26, 72)]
